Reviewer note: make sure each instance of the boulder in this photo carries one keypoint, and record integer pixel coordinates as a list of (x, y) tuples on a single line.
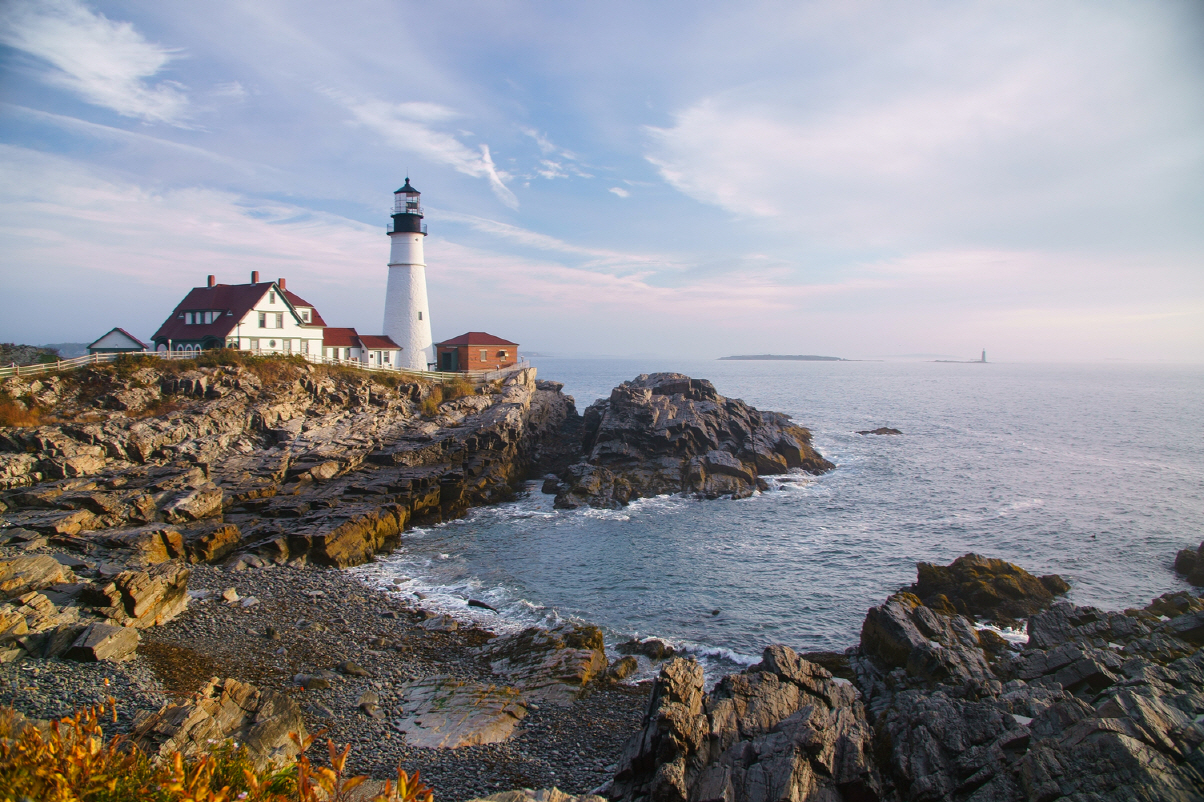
[(104, 642), (142, 598), (23, 574), (538, 795), (903, 633), (983, 587), (554, 664), (260, 720), (1189, 563), (211, 542), (886, 430), (151, 544), (447, 713), (668, 433)]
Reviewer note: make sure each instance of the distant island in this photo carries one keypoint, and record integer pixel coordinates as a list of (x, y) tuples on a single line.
[(788, 357)]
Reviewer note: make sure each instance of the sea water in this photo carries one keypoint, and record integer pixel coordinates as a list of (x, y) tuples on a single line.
[(1093, 472)]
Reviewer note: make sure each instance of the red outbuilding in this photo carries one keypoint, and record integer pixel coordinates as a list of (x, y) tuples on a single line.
[(476, 350)]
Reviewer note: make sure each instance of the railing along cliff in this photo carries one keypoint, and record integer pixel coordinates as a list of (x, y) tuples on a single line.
[(474, 376)]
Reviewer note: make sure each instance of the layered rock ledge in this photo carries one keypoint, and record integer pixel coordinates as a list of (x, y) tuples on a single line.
[(668, 433)]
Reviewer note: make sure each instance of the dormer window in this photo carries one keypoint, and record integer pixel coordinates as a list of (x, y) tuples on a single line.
[(305, 315)]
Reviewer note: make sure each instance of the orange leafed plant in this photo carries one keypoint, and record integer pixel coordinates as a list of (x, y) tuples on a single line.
[(73, 762)]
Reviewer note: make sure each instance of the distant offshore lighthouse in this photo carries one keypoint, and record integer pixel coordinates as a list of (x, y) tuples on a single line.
[(407, 312)]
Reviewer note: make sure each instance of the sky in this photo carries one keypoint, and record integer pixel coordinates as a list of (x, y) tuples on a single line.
[(625, 178)]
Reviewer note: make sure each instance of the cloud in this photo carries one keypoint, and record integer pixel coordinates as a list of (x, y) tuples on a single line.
[(106, 63), (408, 126), (1021, 135), (596, 258), (622, 193)]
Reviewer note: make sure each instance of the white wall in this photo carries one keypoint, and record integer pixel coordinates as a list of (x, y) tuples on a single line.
[(407, 312)]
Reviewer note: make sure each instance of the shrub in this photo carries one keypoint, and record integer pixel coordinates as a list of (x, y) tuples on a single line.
[(458, 388), (430, 404), (72, 762), (18, 414)]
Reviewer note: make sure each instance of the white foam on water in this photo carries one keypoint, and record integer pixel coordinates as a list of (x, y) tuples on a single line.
[(1016, 637)]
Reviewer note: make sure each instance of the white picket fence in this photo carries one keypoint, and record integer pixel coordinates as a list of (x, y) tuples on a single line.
[(474, 376)]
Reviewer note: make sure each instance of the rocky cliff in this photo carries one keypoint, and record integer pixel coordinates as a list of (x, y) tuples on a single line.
[(286, 461), (668, 433), (1096, 706)]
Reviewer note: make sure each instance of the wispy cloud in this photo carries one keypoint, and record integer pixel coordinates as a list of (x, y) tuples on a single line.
[(597, 257), (106, 63), (622, 193), (410, 126)]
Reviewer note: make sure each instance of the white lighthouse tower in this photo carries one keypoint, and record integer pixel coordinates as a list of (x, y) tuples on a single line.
[(407, 315)]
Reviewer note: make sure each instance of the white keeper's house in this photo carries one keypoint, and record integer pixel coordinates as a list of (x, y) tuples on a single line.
[(264, 317)]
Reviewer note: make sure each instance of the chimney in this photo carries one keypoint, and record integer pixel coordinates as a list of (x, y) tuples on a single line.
[(254, 276), (280, 281), (212, 280)]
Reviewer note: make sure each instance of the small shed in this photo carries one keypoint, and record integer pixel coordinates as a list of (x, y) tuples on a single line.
[(118, 341), (476, 350)]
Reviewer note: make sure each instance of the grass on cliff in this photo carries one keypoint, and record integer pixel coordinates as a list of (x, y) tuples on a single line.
[(72, 761)]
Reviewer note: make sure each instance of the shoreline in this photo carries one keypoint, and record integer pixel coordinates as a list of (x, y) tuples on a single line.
[(572, 747)]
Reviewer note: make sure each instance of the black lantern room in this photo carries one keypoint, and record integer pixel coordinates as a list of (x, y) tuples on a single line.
[(407, 210)]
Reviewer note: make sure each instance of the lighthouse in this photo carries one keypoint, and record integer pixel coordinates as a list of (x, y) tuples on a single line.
[(407, 315)]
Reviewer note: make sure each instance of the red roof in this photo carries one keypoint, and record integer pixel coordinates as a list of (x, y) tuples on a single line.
[(296, 300), (477, 338), (379, 341), (340, 338), (235, 298)]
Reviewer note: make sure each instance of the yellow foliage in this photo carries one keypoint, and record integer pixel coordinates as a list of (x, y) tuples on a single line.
[(73, 762)]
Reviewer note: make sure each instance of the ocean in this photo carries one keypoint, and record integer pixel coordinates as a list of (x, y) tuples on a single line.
[(1093, 472)]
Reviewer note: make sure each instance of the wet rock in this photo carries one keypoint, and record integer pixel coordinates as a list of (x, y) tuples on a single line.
[(622, 668), (668, 433), (652, 648), (261, 720), (1189, 563), (984, 587), (880, 430), (447, 713)]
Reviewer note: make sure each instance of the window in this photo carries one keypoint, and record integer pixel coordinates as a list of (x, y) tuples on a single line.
[(484, 355), (254, 344), (279, 320), (346, 353), (305, 346), (288, 346), (420, 316), (501, 354), (187, 318), (386, 356), (271, 343), (263, 320), (305, 315), (271, 297)]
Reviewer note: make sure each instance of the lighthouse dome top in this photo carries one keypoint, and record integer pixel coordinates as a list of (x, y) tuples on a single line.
[(407, 189)]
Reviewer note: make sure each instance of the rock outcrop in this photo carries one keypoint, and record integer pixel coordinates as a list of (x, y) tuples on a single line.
[(984, 587), (1105, 706), (668, 433), (783, 730), (158, 462)]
